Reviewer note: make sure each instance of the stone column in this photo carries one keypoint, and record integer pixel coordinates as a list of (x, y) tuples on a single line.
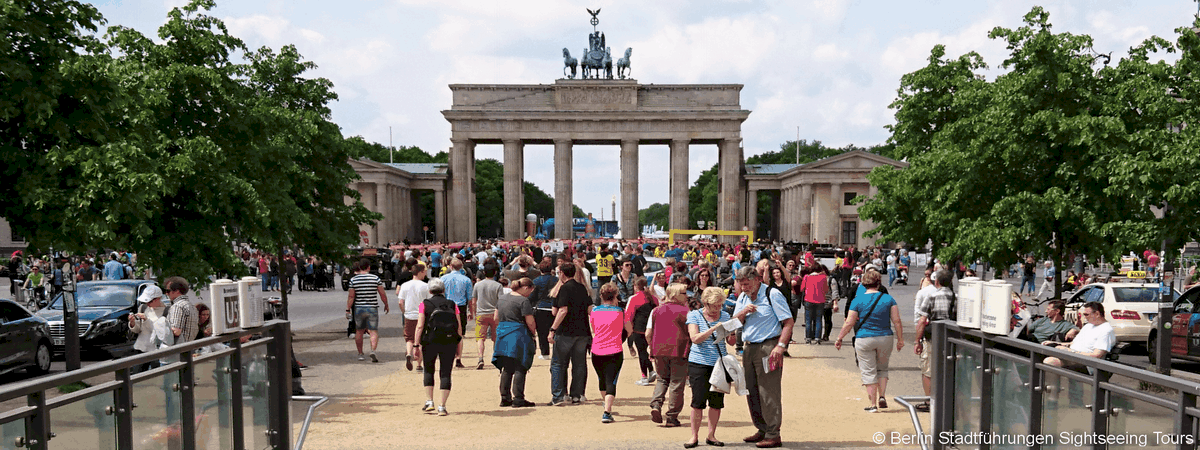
[(835, 197), (514, 183), (752, 211), (679, 185), (806, 213), (562, 190), (461, 196), (367, 190), (776, 213), (630, 228), (440, 227), (472, 214), (787, 218), (731, 202)]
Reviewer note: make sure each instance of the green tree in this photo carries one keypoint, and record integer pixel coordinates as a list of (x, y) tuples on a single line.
[(1008, 167), (658, 214)]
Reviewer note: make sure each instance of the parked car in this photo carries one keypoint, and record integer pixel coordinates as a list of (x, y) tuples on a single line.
[(1185, 328), (1130, 306), (381, 266), (24, 340), (104, 308)]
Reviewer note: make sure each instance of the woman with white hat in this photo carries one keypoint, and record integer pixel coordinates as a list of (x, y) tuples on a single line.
[(150, 336)]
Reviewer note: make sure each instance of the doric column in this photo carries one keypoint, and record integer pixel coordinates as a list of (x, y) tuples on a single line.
[(440, 227), (787, 218), (679, 184), (752, 210), (630, 228), (731, 203), (461, 195), (776, 213), (562, 190), (835, 198), (514, 182), (806, 212), (472, 213)]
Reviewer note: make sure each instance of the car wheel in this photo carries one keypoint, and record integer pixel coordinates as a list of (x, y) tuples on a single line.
[(41, 359), (1151, 345)]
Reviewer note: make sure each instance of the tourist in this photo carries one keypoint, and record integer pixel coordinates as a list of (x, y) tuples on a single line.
[(181, 316), (608, 324), (484, 297), (938, 305), (1095, 339), (514, 350), (1053, 328), (669, 348), (624, 280), (768, 327), (458, 290), (362, 306), (703, 325), (440, 340), (113, 269), (872, 317), (638, 314), (816, 292), (544, 305), (570, 336), (204, 321), (409, 297), (150, 326), (604, 267)]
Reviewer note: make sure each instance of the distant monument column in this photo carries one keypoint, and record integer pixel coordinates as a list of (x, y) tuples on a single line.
[(462, 198), (679, 184), (806, 213), (752, 211), (440, 226), (514, 183), (630, 228), (731, 201), (834, 224), (563, 222)]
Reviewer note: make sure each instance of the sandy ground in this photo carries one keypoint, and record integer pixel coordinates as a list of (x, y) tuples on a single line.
[(378, 405)]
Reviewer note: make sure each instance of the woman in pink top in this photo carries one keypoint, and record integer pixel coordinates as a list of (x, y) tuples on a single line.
[(815, 286), (637, 313), (608, 325)]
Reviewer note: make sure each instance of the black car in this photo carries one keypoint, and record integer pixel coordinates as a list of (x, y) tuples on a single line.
[(24, 340), (104, 308)]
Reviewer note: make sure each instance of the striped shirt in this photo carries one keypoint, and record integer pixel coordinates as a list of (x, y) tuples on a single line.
[(708, 352), (366, 290)]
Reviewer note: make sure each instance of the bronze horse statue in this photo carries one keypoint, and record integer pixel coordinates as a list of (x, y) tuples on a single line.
[(623, 64), (569, 62)]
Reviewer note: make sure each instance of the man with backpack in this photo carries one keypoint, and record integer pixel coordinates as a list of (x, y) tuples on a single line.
[(440, 340), (940, 305), (362, 305)]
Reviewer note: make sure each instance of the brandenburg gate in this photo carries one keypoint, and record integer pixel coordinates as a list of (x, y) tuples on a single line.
[(572, 113)]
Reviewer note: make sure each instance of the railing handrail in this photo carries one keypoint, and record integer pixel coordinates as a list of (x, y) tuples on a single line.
[(40, 384)]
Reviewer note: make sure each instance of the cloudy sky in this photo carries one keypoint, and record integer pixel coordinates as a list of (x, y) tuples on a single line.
[(825, 68)]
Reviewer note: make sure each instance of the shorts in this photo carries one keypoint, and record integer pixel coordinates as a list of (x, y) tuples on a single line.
[(926, 364), (702, 395), (366, 319), (485, 327), (410, 330)]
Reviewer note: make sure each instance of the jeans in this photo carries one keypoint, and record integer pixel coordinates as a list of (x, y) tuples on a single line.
[(813, 316), (266, 282), (1026, 281), (891, 275), (544, 319), (569, 352), (512, 379)]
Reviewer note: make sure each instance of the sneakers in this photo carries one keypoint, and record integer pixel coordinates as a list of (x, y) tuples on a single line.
[(505, 403), (653, 376), (558, 402), (428, 406), (642, 382), (420, 368), (583, 398), (543, 357), (362, 357), (523, 404), (408, 362), (656, 416), (882, 403), (871, 409), (373, 358), (480, 365), (673, 423), (458, 364), (606, 417), (808, 341), (441, 411)]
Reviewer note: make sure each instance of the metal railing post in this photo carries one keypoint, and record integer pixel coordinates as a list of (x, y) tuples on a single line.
[(124, 410), (985, 385), (37, 427), (943, 374), (280, 361), (1100, 406), (236, 375), (1184, 424), (1037, 385), (187, 402)]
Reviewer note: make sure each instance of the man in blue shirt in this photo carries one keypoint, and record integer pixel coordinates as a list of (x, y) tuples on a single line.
[(435, 263), (768, 328), (458, 290), (113, 270)]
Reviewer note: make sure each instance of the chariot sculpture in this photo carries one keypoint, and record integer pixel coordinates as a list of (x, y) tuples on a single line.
[(596, 61)]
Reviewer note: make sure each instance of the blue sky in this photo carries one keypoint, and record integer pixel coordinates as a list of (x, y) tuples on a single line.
[(829, 67)]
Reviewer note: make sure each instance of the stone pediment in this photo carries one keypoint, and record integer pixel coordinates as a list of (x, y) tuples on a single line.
[(856, 160)]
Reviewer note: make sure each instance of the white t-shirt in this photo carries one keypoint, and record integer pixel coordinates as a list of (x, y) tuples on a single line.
[(412, 293), (1092, 337), (921, 299)]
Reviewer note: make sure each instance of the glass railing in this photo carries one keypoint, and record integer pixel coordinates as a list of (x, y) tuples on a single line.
[(995, 392), (226, 392)]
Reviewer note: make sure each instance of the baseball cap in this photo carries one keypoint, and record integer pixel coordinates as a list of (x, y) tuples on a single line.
[(152, 292)]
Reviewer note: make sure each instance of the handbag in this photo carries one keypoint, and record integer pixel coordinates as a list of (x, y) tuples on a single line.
[(862, 321)]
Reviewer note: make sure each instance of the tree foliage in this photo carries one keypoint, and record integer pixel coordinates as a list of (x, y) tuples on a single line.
[(174, 149), (658, 214), (1061, 154)]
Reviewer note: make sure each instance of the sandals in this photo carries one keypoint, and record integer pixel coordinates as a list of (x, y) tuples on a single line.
[(924, 407)]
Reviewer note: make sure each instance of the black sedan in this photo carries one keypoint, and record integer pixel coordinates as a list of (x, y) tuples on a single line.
[(104, 308), (24, 340)]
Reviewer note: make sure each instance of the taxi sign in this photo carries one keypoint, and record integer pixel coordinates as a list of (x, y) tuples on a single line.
[(1135, 274)]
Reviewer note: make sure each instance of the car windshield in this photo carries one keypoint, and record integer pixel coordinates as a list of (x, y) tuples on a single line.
[(102, 296), (1136, 294)]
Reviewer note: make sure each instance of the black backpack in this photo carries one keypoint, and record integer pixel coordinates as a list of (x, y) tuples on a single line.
[(441, 325)]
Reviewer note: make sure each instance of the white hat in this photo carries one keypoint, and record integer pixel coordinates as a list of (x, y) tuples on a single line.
[(872, 267), (152, 292)]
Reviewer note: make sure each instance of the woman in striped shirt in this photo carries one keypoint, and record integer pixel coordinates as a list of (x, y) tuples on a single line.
[(706, 350)]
